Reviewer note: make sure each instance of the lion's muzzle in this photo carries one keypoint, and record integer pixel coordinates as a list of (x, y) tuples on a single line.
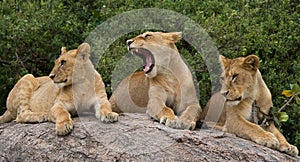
[(147, 56)]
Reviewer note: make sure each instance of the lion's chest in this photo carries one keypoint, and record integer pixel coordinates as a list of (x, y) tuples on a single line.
[(87, 104), (170, 85), (247, 113), (85, 100), (245, 110)]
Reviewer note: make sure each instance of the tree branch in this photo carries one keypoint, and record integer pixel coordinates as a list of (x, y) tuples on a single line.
[(5, 62), (20, 61), (281, 108), (287, 103)]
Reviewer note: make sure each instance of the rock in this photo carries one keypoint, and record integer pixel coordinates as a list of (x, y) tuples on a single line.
[(135, 137)]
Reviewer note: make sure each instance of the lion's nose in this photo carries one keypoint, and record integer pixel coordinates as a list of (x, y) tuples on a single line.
[(52, 76), (225, 93), (129, 42)]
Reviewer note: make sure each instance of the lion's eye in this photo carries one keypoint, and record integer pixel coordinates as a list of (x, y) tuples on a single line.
[(62, 62), (234, 77)]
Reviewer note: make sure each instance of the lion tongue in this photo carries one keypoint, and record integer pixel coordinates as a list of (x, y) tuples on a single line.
[(148, 62), (148, 59)]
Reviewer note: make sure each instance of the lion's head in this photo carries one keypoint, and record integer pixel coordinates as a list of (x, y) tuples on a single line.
[(155, 48), (62, 73), (238, 78)]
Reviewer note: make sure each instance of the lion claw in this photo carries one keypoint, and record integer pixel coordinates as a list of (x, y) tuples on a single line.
[(110, 117), (181, 124), (64, 128), (289, 149), (268, 140)]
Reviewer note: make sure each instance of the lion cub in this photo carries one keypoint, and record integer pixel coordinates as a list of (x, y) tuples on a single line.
[(164, 88), (73, 86), (242, 85)]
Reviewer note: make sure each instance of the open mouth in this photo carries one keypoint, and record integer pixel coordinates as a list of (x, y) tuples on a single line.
[(237, 99), (147, 56)]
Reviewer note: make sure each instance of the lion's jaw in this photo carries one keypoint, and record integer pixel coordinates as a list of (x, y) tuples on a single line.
[(156, 49), (60, 78), (146, 56)]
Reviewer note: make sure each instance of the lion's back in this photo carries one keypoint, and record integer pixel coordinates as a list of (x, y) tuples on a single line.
[(44, 97), (31, 90)]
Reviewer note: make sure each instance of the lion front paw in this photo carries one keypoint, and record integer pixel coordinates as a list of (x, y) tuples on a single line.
[(269, 140), (110, 117), (178, 123), (64, 127), (164, 119), (289, 149)]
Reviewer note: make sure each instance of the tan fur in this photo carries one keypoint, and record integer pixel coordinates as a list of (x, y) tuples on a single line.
[(242, 84), (166, 91), (75, 87)]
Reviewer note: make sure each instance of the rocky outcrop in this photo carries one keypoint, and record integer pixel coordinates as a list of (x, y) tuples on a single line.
[(135, 137)]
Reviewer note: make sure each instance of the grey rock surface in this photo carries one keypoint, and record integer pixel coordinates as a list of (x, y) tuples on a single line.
[(135, 137)]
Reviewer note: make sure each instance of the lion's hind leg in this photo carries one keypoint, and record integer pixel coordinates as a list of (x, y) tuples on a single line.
[(284, 145), (27, 116), (18, 101), (26, 87)]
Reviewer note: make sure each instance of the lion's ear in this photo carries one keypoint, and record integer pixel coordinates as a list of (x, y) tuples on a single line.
[(174, 36), (251, 62), (83, 51), (63, 50), (223, 61)]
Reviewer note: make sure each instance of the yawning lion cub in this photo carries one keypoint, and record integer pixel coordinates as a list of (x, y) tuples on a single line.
[(164, 88)]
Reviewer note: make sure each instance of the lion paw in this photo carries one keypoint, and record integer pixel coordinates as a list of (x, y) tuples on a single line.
[(289, 149), (164, 119), (65, 127), (181, 124), (110, 117), (268, 140)]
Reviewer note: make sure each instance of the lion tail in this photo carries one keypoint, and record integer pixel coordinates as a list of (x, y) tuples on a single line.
[(6, 117)]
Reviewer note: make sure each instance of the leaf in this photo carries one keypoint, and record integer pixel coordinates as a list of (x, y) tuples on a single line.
[(295, 88), (280, 117), (287, 93), (283, 117)]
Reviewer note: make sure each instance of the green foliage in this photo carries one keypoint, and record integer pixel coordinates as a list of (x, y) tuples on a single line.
[(279, 116), (282, 116), (293, 94), (32, 33)]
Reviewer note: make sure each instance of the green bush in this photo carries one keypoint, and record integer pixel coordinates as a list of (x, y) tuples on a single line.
[(32, 33)]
